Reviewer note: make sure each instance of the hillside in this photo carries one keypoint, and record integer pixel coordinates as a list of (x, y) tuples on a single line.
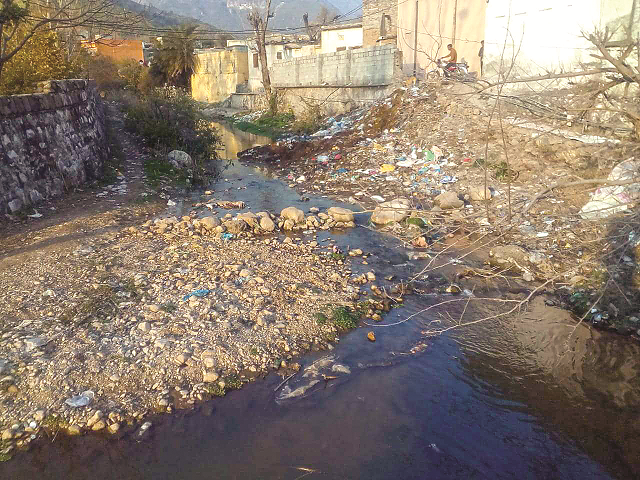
[(161, 18), (232, 14)]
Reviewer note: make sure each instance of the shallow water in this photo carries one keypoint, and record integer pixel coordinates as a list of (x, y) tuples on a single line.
[(525, 398)]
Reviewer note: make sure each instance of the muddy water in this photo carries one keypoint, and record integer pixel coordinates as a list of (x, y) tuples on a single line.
[(522, 398)]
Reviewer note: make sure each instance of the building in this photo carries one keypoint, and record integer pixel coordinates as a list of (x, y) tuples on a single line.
[(379, 22), (459, 22), (220, 72), (120, 50), (336, 38), (548, 35)]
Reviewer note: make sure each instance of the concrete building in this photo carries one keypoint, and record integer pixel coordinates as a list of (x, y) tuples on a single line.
[(220, 73), (117, 49), (548, 34), (379, 22), (459, 22), (336, 38)]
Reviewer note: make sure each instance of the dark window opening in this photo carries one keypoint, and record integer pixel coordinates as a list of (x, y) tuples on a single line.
[(279, 55), (255, 60)]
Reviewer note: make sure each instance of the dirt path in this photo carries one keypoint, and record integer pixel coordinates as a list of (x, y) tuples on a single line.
[(72, 219)]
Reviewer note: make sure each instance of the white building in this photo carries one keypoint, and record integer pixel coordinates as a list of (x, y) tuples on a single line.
[(334, 38), (548, 34)]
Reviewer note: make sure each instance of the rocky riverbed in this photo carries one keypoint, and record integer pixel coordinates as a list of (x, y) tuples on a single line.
[(164, 314)]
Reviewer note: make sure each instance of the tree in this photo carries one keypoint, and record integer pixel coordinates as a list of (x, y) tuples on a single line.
[(41, 58), (20, 21), (175, 59), (259, 20)]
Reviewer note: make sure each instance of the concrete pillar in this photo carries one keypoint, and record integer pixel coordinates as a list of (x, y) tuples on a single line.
[(348, 68), (296, 80)]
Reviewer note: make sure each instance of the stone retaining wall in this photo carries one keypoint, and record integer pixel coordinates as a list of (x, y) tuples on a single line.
[(50, 141)]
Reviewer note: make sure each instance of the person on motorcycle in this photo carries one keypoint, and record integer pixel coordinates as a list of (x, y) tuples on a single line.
[(452, 59)]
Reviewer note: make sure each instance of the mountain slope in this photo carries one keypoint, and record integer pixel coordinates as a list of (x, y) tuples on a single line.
[(232, 14)]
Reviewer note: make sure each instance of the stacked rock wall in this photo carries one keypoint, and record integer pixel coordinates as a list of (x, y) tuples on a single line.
[(50, 142)]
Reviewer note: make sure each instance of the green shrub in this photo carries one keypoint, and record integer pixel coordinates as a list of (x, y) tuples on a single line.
[(169, 119)]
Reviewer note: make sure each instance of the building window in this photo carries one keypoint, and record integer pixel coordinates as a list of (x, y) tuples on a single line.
[(279, 55), (341, 49), (255, 60), (340, 36)]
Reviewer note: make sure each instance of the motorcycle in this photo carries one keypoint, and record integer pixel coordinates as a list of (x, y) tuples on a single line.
[(456, 71)]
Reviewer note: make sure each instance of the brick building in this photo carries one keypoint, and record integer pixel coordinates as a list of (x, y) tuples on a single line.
[(379, 22)]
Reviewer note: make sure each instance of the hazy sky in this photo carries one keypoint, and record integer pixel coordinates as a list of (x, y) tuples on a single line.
[(347, 5)]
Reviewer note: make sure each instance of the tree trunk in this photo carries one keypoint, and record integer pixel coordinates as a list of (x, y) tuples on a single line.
[(266, 80)]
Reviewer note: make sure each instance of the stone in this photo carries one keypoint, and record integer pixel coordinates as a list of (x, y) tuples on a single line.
[(7, 434), (249, 218), (371, 337), (392, 211), (113, 428), (292, 213), (99, 425), (235, 226), (356, 252), (179, 159), (181, 358), (267, 224), (144, 326), (95, 418), (288, 224), (448, 200), (210, 222), (371, 276), (34, 342), (209, 362), (210, 377), (154, 308), (74, 430), (478, 193), (39, 415), (340, 214), (508, 256), (15, 205)]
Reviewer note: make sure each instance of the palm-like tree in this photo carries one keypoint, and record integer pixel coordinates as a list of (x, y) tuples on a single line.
[(179, 58)]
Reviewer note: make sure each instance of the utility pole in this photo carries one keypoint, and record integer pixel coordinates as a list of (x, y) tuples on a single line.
[(415, 43), (455, 20)]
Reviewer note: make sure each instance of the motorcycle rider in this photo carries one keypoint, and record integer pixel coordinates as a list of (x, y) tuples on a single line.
[(452, 59)]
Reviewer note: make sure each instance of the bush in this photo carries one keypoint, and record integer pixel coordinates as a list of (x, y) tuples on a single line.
[(169, 119)]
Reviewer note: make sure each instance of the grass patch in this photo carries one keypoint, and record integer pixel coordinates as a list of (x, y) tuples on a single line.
[(232, 382), (215, 390), (338, 256), (344, 318), (267, 125), (320, 318)]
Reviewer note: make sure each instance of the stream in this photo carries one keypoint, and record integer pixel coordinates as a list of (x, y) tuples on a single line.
[(531, 398)]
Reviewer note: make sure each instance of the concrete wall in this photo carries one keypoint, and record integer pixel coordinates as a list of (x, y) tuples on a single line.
[(361, 67), (219, 73), (333, 100), (548, 34), (373, 12), (50, 142), (333, 39), (436, 30)]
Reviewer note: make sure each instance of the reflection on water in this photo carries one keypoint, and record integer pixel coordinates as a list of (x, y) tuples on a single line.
[(236, 141)]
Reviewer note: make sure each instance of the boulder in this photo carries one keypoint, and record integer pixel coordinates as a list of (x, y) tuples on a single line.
[(179, 159), (210, 223), (235, 226), (448, 200), (292, 213), (251, 219), (340, 214), (267, 224), (393, 211)]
